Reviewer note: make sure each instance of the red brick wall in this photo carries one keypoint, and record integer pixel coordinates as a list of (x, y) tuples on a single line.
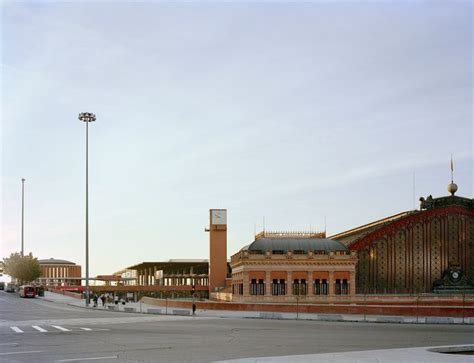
[(256, 275), (425, 307)]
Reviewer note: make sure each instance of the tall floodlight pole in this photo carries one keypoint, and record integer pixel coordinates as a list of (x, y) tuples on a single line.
[(22, 216), (87, 117)]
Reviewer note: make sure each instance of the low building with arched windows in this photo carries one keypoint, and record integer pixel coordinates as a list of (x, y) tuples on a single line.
[(287, 266)]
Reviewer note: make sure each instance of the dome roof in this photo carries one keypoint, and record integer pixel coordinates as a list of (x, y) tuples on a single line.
[(53, 261), (296, 244)]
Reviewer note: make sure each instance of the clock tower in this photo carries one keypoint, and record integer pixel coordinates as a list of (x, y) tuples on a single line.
[(217, 248)]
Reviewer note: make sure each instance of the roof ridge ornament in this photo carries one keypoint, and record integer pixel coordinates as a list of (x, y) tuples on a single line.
[(443, 202), (290, 234)]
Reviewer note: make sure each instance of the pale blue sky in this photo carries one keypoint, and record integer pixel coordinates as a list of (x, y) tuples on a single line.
[(292, 111)]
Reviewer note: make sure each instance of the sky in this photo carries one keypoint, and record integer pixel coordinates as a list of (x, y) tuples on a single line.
[(305, 115)]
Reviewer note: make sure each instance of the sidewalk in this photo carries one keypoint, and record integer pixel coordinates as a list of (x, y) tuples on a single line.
[(403, 355), (64, 299), (142, 308), (59, 298)]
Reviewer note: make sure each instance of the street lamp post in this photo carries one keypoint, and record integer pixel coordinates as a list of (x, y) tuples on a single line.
[(87, 117), (22, 216)]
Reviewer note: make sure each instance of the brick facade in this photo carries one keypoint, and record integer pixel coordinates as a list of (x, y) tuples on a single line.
[(292, 275)]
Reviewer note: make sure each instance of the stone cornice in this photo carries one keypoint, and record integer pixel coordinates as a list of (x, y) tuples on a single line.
[(298, 263)]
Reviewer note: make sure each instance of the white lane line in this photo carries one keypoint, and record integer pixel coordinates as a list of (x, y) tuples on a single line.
[(60, 328), (27, 352), (82, 359), (86, 329), (39, 328), (12, 344), (16, 329)]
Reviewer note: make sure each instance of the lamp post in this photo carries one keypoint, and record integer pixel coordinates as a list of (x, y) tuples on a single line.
[(22, 216), (87, 117)]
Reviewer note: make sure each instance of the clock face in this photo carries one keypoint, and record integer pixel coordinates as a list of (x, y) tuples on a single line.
[(455, 276), (219, 217)]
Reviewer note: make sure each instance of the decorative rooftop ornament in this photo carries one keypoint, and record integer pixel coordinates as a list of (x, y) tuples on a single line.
[(290, 234)]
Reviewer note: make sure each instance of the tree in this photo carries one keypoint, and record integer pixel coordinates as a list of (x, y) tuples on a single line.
[(23, 268)]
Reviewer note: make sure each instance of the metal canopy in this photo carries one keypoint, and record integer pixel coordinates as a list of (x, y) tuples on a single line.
[(171, 264)]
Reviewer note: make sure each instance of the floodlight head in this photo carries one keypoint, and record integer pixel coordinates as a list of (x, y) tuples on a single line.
[(87, 116)]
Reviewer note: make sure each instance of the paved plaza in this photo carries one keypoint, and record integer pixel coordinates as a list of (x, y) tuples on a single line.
[(46, 331)]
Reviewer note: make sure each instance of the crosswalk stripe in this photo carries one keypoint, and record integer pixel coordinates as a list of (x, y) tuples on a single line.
[(86, 329), (16, 329), (39, 329), (60, 328)]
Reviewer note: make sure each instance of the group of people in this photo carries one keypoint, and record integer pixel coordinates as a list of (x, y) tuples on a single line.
[(107, 299)]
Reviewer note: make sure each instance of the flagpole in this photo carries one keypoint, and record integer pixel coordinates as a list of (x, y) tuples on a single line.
[(452, 169)]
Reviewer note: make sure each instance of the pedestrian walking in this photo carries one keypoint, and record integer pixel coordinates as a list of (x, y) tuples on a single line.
[(116, 300), (102, 297), (95, 298)]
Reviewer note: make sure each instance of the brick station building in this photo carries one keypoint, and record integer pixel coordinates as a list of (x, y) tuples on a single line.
[(430, 250), (413, 251), (286, 266)]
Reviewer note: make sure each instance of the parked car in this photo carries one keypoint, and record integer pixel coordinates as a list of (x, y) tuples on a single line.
[(2, 285), (11, 287)]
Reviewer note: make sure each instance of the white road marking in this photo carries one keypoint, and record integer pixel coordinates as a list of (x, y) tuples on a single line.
[(16, 329), (86, 329), (103, 321), (40, 329), (12, 344), (82, 359), (60, 328), (28, 352)]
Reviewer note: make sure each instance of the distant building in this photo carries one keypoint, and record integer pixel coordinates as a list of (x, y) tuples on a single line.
[(286, 266), (59, 273), (174, 272), (129, 277)]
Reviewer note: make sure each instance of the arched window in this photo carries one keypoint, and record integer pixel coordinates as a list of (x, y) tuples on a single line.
[(278, 287)]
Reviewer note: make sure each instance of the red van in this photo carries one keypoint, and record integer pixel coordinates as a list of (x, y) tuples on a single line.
[(27, 291)]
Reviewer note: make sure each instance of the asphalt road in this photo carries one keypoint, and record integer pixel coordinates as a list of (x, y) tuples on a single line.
[(39, 331)]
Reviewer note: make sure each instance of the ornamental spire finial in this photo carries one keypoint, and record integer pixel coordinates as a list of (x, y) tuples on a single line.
[(452, 187)]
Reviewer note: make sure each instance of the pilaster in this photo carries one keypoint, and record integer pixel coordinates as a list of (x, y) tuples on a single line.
[(268, 284), (352, 283), (331, 283), (289, 284), (246, 284), (309, 288)]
